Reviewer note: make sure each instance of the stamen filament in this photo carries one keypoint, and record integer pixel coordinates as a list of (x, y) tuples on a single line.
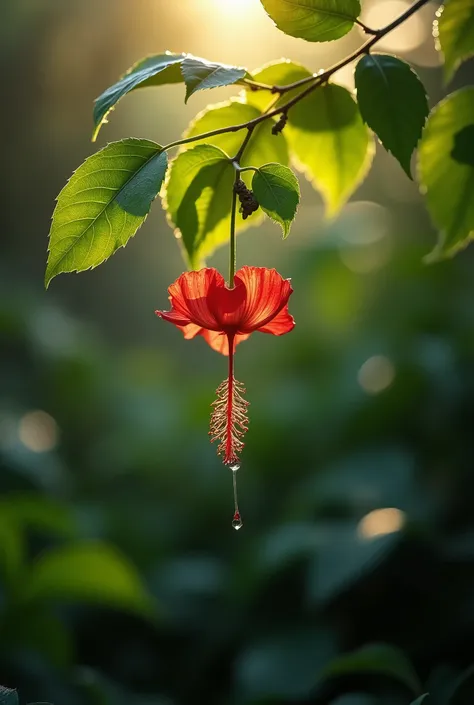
[(229, 421)]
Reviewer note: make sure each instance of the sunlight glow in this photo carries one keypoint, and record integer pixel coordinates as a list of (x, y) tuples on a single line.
[(407, 37), (234, 7), (381, 522)]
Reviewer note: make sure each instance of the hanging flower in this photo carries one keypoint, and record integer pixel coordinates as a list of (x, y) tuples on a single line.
[(202, 304)]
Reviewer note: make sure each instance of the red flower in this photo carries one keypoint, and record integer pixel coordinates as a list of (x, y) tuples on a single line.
[(202, 304)]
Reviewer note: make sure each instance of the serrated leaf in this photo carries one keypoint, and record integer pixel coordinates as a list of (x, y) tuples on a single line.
[(88, 572), (8, 696), (199, 74), (277, 191), (330, 143), (313, 20), (276, 73), (103, 204), (448, 184), (375, 659), (151, 71), (198, 200), (392, 101), (262, 148), (455, 32)]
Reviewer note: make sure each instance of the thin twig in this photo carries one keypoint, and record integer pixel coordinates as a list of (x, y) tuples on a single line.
[(367, 30), (239, 154), (314, 81)]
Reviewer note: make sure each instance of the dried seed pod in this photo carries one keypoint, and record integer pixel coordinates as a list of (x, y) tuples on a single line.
[(278, 126), (248, 202)]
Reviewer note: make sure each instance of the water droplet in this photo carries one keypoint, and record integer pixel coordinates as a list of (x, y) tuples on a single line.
[(234, 467), (237, 522)]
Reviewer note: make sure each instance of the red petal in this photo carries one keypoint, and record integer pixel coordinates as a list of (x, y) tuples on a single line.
[(174, 317), (281, 324), (219, 341), (267, 293), (189, 298), (228, 305), (191, 331)]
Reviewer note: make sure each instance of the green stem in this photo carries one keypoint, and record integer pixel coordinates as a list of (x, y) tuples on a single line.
[(247, 168), (232, 252), (244, 144)]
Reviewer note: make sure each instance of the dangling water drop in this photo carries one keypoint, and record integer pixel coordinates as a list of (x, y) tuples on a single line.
[(237, 522)]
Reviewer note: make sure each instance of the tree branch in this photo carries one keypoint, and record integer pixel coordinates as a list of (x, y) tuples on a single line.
[(313, 81)]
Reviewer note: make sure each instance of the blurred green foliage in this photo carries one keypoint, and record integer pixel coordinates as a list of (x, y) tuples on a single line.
[(121, 580), (121, 575)]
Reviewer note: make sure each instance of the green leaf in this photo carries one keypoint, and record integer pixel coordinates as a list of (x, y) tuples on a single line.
[(151, 71), (345, 561), (263, 146), (198, 199), (277, 191), (375, 659), (38, 513), (448, 184), (202, 235), (103, 205), (8, 696), (420, 700), (330, 143), (392, 101), (276, 73), (88, 572), (455, 32), (313, 20), (463, 149), (199, 74)]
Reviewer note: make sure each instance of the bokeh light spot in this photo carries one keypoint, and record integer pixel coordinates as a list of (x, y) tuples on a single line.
[(376, 374), (380, 522), (38, 431)]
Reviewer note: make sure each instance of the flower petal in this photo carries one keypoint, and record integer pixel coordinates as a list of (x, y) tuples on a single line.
[(189, 298), (267, 293), (228, 305), (191, 331), (174, 316), (219, 341), (281, 324)]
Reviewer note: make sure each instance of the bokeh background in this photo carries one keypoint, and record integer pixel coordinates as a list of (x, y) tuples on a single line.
[(122, 581)]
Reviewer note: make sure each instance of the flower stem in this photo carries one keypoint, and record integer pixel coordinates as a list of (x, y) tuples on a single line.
[(232, 252)]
